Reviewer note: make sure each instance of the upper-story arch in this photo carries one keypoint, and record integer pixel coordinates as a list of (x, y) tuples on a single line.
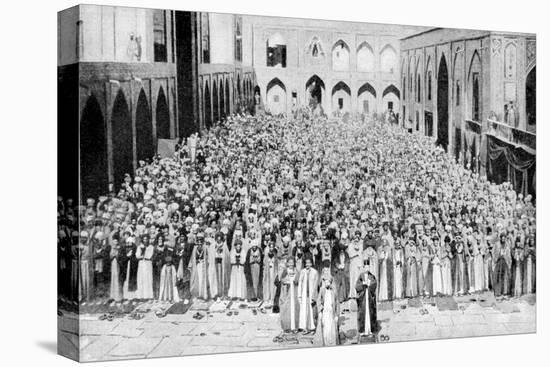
[(340, 56), (388, 59)]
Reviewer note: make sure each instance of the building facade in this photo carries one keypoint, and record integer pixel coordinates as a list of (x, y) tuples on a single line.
[(117, 71), (474, 92), (225, 75), (343, 66)]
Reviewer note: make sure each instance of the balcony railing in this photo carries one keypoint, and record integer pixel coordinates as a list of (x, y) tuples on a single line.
[(473, 126), (511, 134)]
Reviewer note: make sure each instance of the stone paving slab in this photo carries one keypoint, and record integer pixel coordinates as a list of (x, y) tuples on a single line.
[(171, 346), (139, 347), (180, 334), (128, 328), (99, 348), (466, 319)]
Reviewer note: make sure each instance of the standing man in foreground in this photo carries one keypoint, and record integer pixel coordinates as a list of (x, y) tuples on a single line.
[(366, 303)]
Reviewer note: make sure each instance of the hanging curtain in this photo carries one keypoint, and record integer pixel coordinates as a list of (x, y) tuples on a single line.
[(521, 164)]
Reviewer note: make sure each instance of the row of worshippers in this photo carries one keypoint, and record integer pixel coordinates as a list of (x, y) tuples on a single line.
[(128, 267), (266, 179)]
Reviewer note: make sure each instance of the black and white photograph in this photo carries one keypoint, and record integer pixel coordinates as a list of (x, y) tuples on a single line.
[(237, 183)]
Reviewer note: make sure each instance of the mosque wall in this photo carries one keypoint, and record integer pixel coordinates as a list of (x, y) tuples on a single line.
[(126, 91), (486, 73), (366, 54)]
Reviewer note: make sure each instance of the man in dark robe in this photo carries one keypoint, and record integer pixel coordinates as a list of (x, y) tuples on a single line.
[(160, 254), (460, 267), (340, 271), (130, 266), (502, 270), (253, 270), (366, 303)]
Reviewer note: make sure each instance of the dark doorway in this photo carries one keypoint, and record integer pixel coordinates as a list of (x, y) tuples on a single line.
[(428, 123), (239, 94), (93, 151), (458, 144), (207, 106), (315, 87), (222, 100), (443, 104), (144, 129), (531, 99), (228, 99), (163, 116), (122, 140), (215, 104)]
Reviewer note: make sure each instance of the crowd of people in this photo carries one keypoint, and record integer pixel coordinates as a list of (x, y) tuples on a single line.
[(304, 215)]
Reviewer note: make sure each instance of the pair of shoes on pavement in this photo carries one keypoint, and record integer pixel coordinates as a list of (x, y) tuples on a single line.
[(198, 316), (108, 317)]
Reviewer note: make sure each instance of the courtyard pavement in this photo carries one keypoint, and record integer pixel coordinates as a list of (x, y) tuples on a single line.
[(233, 327)]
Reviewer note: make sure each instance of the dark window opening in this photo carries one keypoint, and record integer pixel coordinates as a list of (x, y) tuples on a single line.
[(340, 103), (276, 55), (159, 36), (205, 38), (418, 91), (238, 40), (475, 96), (531, 97)]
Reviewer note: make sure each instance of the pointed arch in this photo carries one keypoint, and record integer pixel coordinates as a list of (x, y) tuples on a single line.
[(340, 55), (443, 103), (215, 103), (341, 97), (341, 86), (162, 116), (391, 89), (367, 87), (222, 100), (315, 88), (144, 128), (315, 79), (207, 107), (276, 97), (274, 82), (418, 77), (122, 141), (474, 86), (366, 98), (228, 99), (365, 57), (429, 79), (315, 47), (94, 177), (388, 59)]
